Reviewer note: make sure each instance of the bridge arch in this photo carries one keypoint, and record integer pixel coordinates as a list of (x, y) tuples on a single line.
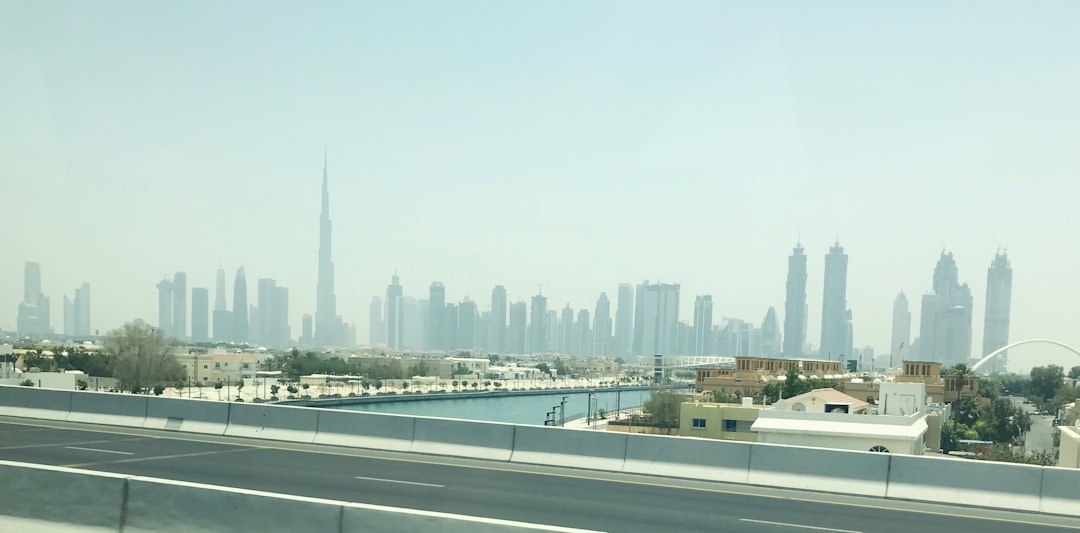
[(1004, 349)]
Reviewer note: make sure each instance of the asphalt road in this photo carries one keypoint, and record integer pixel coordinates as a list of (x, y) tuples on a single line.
[(1040, 438), (545, 495)]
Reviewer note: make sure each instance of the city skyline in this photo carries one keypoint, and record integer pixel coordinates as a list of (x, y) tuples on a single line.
[(694, 152)]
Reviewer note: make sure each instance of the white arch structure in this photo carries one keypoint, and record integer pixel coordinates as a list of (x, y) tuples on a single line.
[(1004, 349)]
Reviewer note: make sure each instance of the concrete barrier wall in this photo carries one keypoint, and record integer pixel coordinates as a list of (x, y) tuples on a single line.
[(186, 415), (274, 422), (460, 438), (817, 469), (54, 499), (688, 457), (61, 495), (575, 448), (108, 408), (966, 482), (32, 402), (1060, 492), (365, 430)]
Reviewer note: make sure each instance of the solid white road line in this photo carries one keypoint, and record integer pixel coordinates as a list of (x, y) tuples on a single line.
[(796, 525), (97, 450), (401, 482)]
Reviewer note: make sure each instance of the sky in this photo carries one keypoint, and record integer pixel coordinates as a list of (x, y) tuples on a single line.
[(573, 145)]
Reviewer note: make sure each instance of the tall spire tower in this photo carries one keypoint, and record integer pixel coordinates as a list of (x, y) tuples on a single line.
[(328, 331)]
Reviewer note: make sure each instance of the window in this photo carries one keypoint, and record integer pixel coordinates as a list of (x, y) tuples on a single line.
[(879, 449), (205, 366), (731, 425), (699, 423)]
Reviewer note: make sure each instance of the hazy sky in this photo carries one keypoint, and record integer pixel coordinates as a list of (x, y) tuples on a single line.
[(573, 144)]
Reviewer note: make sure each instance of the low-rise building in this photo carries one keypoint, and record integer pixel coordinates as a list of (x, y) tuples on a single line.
[(719, 421), (749, 375), (1069, 451)]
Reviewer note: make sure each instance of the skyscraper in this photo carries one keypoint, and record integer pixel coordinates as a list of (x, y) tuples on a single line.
[(436, 322), (795, 304), (413, 322), (834, 324), (34, 315), (538, 325), (377, 328), (69, 317), (307, 328), (702, 341), (497, 326), (602, 326), (165, 306), (945, 328), (770, 334), (515, 331), (998, 308), (394, 332), (624, 320), (659, 303), (583, 334), (901, 328), (82, 310), (450, 326), (466, 324), (200, 314), (219, 292), (639, 320), (565, 344), (239, 331), (179, 313), (329, 330)]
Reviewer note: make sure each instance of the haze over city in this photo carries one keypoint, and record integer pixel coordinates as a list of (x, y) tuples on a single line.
[(467, 146)]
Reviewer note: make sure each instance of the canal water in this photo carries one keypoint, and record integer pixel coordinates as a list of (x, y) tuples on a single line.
[(513, 409)]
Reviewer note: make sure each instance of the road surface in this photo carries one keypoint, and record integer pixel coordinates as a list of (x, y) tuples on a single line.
[(537, 494)]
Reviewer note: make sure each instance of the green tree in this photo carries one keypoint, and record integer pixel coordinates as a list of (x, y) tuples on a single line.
[(962, 373), (27, 383), (217, 386), (966, 411), (292, 389), (543, 368), (82, 384), (404, 385), (143, 356), (159, 389), (663, 409), (1045, 381), (274, 389), (1074, 372)]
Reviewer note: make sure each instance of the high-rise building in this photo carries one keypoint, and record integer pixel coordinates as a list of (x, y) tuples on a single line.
[(466, 324), (239, 330), (34, 315), (945, 324), (376, 327), (165, 306), (901, 329), (436, 322), (395, 335), (223, 325), (538, 325), (282, 332), (770, 334), (82, 310), (413, 319), (659, 303), (69, 317), (637, 348), (497, 325), (795, 304), (307, 329), (551, 335), (516, 328), (263, 326), (200, 314), (624, 320), (219, 292), (329, 329), (998, 309), (834, 323), (602, 341), (565, 344), (702, 331), (450, 327), (582, 334), (179, 313)]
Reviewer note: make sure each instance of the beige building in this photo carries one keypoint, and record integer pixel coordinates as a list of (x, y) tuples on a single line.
[(822, 401), (718, 421), (210, 368), (1069, 452), (750, 374), (941, 388)]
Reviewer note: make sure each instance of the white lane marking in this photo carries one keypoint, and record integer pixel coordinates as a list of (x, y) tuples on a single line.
[(97, 450), (797, 525), (402, 482)]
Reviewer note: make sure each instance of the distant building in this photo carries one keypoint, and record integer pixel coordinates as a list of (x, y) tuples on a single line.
[(660, 318), (497, 325), (795, 305), (565, 344), (200, 314), (998, 309), (945, 330), (81, 310), (516, 329), (165, 306), (219, 293), (702, 341), (771, 343), (602, 340), (413, 319), (901, 327), (436, 322), (538, 325), (467, 317), (239, 330), (34, 313), (583, 334), (395, 332), (179, 301), (223, 324), (835, 323), (376, 327), (624, 320), (330, 330)]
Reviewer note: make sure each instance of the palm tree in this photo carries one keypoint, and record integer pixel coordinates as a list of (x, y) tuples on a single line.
[(960, 373)]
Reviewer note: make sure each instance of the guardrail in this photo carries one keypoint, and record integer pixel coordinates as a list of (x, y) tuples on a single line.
[(48, 498), (932, 479)]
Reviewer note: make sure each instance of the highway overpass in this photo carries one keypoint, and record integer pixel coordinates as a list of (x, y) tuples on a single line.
[(523, 491)]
